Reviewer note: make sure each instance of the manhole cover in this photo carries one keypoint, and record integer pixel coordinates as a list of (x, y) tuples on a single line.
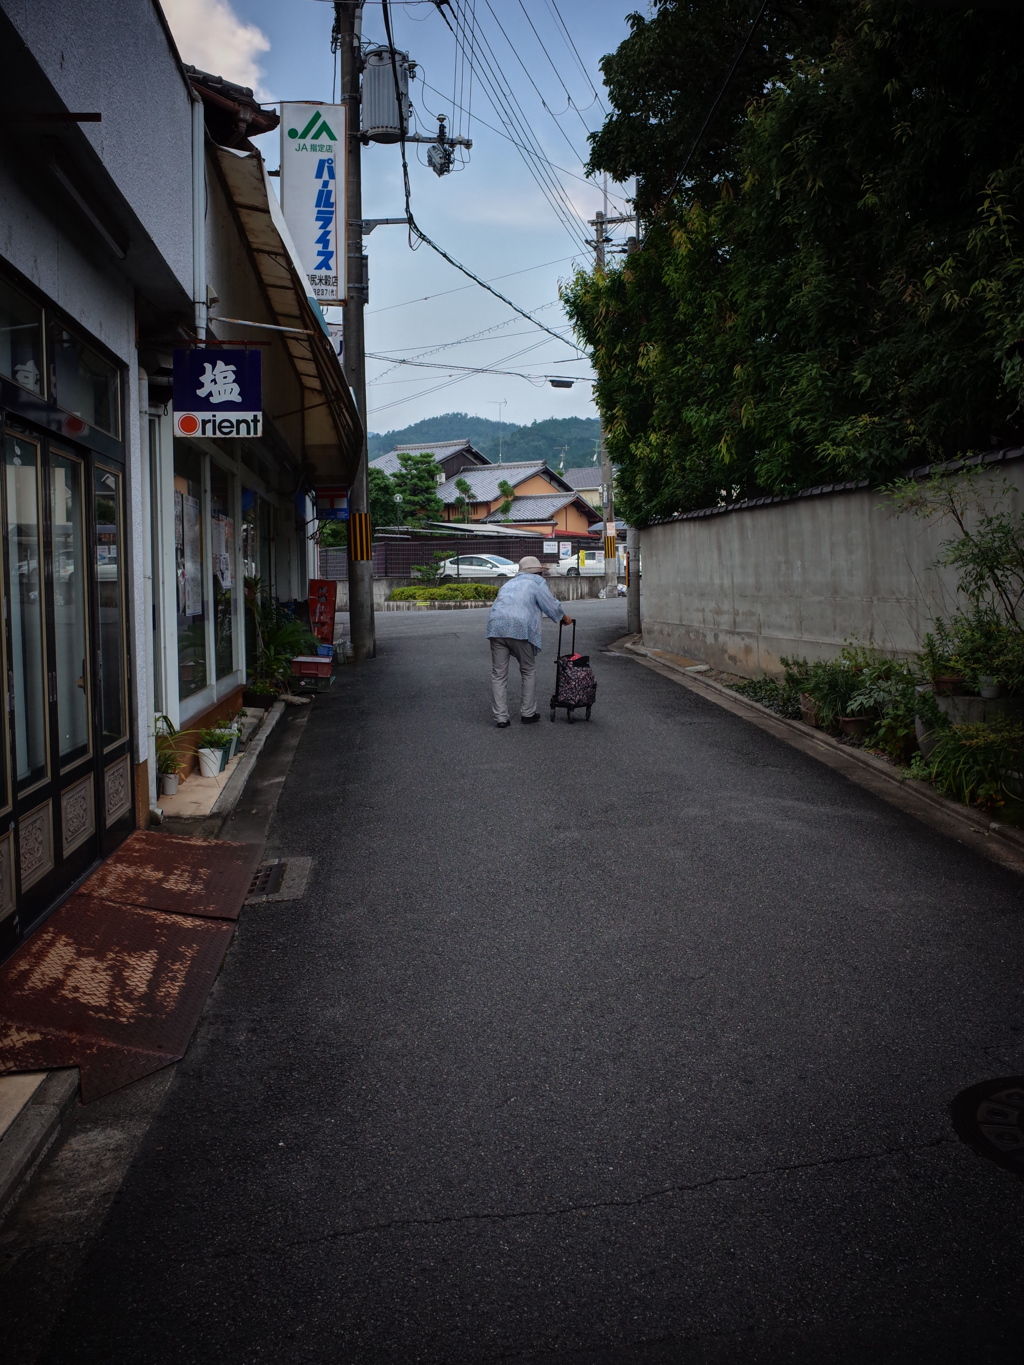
[(268, 879), (990, 1118)]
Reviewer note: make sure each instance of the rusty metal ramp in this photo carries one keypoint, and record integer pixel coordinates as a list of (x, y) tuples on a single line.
[(207, 877), (115, 981)]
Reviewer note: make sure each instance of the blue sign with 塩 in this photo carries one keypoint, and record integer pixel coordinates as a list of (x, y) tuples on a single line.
[(218, 392)]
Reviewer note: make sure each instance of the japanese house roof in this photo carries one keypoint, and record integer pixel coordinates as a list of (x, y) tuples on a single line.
[(542, 507)]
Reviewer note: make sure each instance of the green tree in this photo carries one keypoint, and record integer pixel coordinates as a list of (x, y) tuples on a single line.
[(836, 290), (416, 481), (462, 502), (333, 534), (384, 511), (508, 493)]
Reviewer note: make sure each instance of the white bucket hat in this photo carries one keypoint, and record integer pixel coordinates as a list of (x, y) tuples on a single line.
[(530, 564)]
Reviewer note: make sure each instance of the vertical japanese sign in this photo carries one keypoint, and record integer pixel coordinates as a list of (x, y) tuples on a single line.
[(314, 140)]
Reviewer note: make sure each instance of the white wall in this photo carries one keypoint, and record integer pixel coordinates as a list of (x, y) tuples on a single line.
[(114, 57), (740, 589)]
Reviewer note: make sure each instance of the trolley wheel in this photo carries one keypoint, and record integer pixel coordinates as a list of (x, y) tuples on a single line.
[(587, 717), (552, 713), (568, 714)]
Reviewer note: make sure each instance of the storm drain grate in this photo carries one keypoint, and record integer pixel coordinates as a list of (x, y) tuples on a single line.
[(285, 879), (268, 879)]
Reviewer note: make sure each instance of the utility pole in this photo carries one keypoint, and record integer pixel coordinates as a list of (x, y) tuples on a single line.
[(348, 16), (601, 223)]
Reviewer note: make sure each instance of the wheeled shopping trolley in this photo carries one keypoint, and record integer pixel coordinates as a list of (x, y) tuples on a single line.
[(575, 684)]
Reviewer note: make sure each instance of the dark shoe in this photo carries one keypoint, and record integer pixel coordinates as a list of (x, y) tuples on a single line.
[(503, 724), (531, 720)]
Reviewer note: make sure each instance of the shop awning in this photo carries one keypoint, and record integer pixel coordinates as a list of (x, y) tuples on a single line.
[(332, 427)]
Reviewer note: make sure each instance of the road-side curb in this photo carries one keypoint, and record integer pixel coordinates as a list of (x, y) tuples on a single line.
[(999, 842), (34, 1132), (235, 785), (433, 606)]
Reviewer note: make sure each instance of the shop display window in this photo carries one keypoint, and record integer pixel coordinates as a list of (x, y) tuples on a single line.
[(222, 554), (81, 381), (190, 571), (68, 567), (21, 339), (110, 583)]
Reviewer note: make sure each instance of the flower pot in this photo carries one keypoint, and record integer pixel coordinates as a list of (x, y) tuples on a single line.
[(989, 688), (210, 761), (854, 726), (259, 701), (808, 709), (949, 685), (233, 748), (168, 784)]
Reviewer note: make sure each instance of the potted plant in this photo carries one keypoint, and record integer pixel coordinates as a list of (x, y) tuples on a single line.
[(213, 750), (168, 764)]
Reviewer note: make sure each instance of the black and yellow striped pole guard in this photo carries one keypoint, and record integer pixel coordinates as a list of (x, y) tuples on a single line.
[(360, 537)]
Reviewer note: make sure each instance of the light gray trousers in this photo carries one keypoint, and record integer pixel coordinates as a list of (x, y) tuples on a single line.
[(523, 652)]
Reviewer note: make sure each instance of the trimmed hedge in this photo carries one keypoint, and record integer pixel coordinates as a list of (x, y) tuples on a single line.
[(452, 592)]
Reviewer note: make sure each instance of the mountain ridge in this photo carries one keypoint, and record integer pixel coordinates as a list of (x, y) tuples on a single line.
[(553, 439)]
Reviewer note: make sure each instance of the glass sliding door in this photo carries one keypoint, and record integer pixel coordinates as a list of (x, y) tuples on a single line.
[(28, 665), (69, 563), (110, 677)]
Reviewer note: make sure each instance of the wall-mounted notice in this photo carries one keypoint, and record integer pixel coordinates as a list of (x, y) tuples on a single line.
[(550, 547), (313, 143)]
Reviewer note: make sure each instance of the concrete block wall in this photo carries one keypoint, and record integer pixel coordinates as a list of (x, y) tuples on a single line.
[(741, 588)]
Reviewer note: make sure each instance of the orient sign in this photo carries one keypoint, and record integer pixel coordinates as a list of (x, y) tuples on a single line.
[(218, 392)]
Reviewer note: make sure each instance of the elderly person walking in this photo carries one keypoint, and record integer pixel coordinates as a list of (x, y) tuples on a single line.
[(513, 628)]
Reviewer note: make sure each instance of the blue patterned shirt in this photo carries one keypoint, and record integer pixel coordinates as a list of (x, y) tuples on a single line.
[(516, 614)]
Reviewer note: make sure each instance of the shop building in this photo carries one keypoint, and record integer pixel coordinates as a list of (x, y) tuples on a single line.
[(123, 237)]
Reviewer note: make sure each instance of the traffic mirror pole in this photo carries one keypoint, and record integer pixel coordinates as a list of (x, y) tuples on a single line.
[(348, 25)]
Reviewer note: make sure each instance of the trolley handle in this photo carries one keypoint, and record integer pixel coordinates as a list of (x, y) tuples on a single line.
[(572, 647)]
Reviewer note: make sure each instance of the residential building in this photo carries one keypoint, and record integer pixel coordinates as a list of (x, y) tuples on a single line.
[(452, 456), (542, 501), (123, 549), (586, 481)]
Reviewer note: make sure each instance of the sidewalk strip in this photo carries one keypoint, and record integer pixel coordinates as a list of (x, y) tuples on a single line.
[(969, 826)]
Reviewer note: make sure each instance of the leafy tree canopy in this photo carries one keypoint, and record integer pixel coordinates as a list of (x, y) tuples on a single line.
[(416, 482), (837, 288)]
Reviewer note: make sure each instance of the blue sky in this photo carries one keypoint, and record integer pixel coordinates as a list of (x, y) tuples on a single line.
[(490, 215)]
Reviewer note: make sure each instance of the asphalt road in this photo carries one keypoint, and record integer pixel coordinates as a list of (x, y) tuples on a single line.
[(621, 1042)]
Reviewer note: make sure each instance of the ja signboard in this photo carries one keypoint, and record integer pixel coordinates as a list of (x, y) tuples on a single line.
[(313, 143), (218, 392)]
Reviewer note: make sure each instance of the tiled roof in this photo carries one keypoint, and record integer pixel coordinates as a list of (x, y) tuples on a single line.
[(589, 476), (484, 481), (538, 507), (389, 462)]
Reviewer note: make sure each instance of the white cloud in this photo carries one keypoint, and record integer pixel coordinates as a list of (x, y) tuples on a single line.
[(211, 36)]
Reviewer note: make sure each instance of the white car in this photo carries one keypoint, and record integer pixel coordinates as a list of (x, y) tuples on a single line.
[(585, 564), (472, 567)]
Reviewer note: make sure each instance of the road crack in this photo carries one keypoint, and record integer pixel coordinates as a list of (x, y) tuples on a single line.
[(650, 1196)]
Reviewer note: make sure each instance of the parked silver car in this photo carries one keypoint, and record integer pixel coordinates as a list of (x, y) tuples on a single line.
[(471, 567)]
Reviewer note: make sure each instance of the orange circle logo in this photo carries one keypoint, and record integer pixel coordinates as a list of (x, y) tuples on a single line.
[(187, 424)]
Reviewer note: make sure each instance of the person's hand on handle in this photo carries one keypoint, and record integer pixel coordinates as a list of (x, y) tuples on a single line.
[(566, 620)]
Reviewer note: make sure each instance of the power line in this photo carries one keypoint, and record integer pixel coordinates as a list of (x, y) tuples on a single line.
[(554, 68), (584, 180), (553, 7), (478, 369), (413, 226), (510, 112), (372, 312)]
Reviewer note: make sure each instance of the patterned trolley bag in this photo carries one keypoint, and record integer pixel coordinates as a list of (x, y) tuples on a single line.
[(575, 684)]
